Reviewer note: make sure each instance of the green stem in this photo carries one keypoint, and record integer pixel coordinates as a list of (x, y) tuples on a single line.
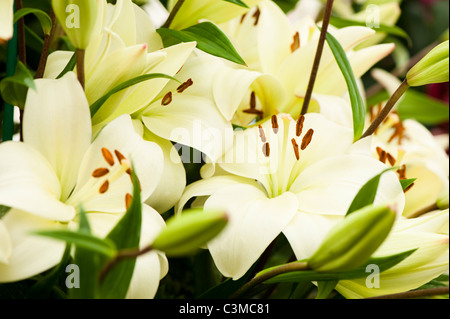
[(415, 294), (241, 292), (80, 66), (8, 110), (46, 48), (387, 109), (318, 57), (173, 13)]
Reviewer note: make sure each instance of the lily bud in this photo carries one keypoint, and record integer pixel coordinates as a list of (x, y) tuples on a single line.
[(443, 201), (433, 68), (184, 234), (78, 19), (353, 241)]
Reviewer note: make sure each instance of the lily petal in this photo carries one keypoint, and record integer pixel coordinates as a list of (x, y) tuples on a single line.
[(119, 136), (31, 254), (255, 221), (59, 109), (56, 63), (6, 18), (28, 182), (5, 244)]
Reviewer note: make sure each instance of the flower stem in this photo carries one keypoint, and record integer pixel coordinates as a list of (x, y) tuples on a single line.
[(415, 293), (80, 66), (320, 46), (173, 13), (126, 254), (387, 109), (298, 266), (46, 48)]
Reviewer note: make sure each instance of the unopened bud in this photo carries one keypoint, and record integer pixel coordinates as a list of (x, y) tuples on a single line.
[(186, 233), (433, 68), (442, 201), (353, 241), (78, 19)]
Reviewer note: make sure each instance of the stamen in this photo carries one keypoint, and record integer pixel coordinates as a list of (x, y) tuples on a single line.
[(185, 85), (104, 188), (243, 18), (253, 101), (128, 200), (108, 156), (383, 157), (307, 139), (409, 187), (100, 172), (266, 150), (299, 127), (379, 151), (391, 159), (167, 99), (255, 112), (275, 126), (256, 15), (119, 156), (296, 149), (262, 136), (296, 44), (402, 172)]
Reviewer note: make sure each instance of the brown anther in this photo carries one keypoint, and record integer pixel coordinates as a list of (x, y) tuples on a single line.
[(128, 200), (185, 85), (129, 171), (253, 101), (243, 18), (275, 126), (100, 172), (296, 148), (256, 15), (104, 188), (167, 99), (402, 172), (408, 188), (108, 156), (296, 43), (299, 126), (383, 157), (379, 151), (266, 149), (391, 159), (307, 139), (262, 136), (399, 131), (254, 112), (119, 156)]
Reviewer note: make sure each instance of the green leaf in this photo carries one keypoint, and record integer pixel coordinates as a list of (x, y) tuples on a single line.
[(98, 104), (384, 263), (407, 182), (14, 88), (286, 5), (422, 108), (43, 17), (367, 193), (126, 235), (83, 240), (238, 2), (391, 30), (358, 107), (69, 67), (209, 38), (325, 288), (4, 210)]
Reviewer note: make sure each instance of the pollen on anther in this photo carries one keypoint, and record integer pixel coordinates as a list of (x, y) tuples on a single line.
[(185, 85), (262, 136), (119, 156), (128, 200), (256, 15), (275, 126), (100, 172), (296, 43), (307, 139), (107, 155), (391, 159), (299, 126), (104, 188), (253, 101), (167, 99), (296, 148), (266, 149)]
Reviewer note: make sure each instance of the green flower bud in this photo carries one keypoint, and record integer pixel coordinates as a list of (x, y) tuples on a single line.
[(78, 19), (433, 68), (353, 241), (184, 234), (442, 201)]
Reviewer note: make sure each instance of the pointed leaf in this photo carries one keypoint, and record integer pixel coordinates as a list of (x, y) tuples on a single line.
[(69, 67), (209, 38), (238, 2), (14, 88), (325, 288), (358, 107), (43, 17)]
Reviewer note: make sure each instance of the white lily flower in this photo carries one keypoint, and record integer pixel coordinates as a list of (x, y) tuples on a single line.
[(290, 177), (57, 168), (410, 146), (270, 44), (429, 235), (6, 20)]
